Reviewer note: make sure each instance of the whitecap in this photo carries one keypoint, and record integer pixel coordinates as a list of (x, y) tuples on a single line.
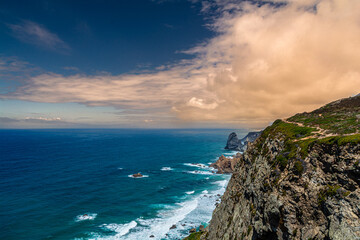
[(186, 215), (200, 172), (190, 192), (232, 153), (86, 216), (221, 183), (120, 229), (199, 165), (166, 169)]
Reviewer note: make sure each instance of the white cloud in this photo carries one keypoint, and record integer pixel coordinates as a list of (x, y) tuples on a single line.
[(200, 103), (36, 34)]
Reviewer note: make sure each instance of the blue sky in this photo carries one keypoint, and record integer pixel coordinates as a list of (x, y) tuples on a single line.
[(173, 63), (111, 36)]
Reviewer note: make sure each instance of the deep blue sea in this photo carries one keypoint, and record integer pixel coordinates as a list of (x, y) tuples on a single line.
[(77, 184)]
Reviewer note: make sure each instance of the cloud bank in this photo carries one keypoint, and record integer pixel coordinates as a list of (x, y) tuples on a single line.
[(267, 61)]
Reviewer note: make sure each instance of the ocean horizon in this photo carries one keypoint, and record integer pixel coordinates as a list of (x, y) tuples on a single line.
[(78, 184)]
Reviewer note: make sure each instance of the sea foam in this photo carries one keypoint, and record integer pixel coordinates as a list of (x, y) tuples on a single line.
[(166, 169), (120, 229), (86, 216)]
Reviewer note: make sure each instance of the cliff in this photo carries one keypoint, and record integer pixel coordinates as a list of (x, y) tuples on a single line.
[(299, 180)]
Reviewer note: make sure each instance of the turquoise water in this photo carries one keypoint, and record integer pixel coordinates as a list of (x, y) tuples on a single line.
[(49, 180)]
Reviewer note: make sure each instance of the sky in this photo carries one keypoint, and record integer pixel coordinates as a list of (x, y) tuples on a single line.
[(174, 63)]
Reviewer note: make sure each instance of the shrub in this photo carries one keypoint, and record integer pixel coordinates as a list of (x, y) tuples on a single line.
[(299, 168)]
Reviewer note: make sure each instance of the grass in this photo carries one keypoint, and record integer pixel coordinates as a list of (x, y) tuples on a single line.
[(295, 148), (194, 236), (299, 168), (335, 118)]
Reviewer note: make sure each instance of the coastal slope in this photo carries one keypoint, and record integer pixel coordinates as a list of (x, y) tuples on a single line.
[(299, 180)]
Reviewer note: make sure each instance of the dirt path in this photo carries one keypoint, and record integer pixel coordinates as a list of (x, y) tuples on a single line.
[(319, 133)]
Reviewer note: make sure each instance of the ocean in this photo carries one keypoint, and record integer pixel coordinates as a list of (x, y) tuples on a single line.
[(77, 184)]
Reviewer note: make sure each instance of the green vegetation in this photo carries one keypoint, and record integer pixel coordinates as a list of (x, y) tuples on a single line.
[(341, 117), (249, 230), (297, 148), (194, 236), (289, 130), (299, 168), (282, 161), (328, 191), (252, 210)]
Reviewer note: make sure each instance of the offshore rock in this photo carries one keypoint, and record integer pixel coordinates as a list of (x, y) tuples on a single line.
[(233, 143)]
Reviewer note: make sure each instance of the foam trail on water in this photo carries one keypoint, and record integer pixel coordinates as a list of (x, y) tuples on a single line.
[(166, 169), (198, 165), (200, 172), (120, 229), (186, 215)]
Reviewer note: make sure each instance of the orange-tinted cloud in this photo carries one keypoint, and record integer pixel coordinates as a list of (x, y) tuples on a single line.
[(266, 62)]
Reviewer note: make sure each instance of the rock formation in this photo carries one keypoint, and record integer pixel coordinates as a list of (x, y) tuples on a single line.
[(226, 164), (137, 175), (299, 180), (233, 143)]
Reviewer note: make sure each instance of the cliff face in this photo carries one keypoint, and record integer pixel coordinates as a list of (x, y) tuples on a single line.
[(299, 180)]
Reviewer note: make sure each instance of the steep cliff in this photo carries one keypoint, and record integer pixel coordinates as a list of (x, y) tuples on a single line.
[(299, 180)]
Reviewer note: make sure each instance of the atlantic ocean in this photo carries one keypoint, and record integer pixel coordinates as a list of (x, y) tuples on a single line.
[(78, 184)]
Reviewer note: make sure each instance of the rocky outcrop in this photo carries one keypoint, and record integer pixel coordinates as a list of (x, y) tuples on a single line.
[(234, 143), (137, 175), (226, 164)]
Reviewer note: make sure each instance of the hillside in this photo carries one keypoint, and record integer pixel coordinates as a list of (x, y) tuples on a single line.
[(299, 180)]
